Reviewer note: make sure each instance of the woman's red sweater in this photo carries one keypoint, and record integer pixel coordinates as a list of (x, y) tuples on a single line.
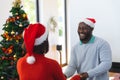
[(43, 69)]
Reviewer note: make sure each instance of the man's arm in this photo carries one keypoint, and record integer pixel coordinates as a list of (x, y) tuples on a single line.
[(71, 68), (105, 61)]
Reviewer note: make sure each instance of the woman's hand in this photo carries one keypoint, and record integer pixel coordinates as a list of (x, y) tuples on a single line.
[(76, 77)]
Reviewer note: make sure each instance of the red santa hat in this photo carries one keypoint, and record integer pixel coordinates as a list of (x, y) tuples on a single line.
[(34, 34), (89, 21)]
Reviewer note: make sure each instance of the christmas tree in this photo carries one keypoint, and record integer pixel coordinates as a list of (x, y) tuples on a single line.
[(10, 45)]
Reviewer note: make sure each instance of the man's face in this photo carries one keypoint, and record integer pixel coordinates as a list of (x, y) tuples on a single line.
[(84, 31)]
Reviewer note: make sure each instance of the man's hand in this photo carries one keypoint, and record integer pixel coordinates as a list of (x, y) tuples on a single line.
[(84, 76)]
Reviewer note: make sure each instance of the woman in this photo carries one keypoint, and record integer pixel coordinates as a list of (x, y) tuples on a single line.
[(34, 65)]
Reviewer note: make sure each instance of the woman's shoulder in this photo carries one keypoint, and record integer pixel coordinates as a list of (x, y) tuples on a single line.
[(51, 61)]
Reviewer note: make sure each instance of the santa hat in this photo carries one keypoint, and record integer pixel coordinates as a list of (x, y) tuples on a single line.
[(89, 21), (34, 34)]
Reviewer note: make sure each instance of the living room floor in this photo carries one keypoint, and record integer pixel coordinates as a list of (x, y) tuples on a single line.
[(113, 74)]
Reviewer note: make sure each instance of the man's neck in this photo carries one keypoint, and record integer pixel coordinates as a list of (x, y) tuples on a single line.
[(86, 40)]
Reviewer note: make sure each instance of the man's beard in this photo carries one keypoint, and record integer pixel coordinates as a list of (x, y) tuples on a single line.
[(84, 37)]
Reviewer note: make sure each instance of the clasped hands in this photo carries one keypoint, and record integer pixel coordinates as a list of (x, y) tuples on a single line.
[(82, 76)]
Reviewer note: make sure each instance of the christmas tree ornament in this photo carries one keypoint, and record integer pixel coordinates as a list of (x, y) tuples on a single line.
[(12, 32), (6, 32), (6, 26), (17, 41), (16, 33), (16, 13), (17, 17), (14, 36), (7, 39), (14, 56), (24, 15), (9, 51), (20, 25), (2, 77), (7, 21)]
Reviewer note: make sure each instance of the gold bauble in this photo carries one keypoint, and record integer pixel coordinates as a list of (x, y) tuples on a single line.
[(6, 26), (7, 39), (16, 13), (12, 32), (14, 56), (24, 15), (17, 41), (6, 32)]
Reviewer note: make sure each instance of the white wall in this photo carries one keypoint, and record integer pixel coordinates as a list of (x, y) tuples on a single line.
[(6, 6), (107, 15)]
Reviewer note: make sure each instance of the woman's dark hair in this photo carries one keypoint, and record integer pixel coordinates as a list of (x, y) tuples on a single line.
[(42, 48)]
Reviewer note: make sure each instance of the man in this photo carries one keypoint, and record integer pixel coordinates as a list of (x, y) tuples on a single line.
[(91, 57), (34, 65)]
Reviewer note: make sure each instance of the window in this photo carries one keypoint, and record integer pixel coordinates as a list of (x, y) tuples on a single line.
[(31, 8), (62, 23)]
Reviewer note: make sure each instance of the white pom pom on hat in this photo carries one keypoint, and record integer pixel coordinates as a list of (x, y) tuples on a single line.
[(89, 21), (30, 59), (34, 34)]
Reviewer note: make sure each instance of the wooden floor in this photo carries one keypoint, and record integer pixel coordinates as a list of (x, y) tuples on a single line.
[(115, 76), (111, 74)]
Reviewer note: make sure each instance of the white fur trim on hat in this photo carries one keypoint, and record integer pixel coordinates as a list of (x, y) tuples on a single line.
[(30, 59), (88, 22), (42, 38)]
